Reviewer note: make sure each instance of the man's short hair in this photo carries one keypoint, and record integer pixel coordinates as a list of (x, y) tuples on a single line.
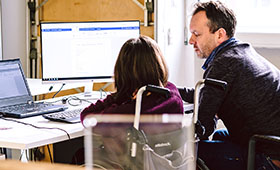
[(219, 16)]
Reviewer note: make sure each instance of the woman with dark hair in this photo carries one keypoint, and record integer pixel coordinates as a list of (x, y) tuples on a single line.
[(140, 62)]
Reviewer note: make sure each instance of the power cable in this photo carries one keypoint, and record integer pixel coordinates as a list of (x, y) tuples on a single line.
[(59, 90)]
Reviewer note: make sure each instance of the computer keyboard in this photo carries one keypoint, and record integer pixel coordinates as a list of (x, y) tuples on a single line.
[(29, 110), (23, 108), (69, 116)]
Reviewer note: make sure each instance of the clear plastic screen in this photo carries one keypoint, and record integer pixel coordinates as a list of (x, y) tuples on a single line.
[(164, 141)]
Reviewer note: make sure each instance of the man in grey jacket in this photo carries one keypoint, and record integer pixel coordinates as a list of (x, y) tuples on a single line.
[(249, 106)]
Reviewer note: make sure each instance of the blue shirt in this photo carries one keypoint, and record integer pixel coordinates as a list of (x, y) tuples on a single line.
[(216, 50)]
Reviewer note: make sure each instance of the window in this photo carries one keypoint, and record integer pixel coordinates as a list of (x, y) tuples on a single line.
[(258, 16), (257, 21)]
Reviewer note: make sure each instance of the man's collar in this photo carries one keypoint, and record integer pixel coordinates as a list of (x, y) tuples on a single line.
[(215, 51)]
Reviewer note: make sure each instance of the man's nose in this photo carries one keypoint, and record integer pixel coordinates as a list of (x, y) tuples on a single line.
[(191, 40)]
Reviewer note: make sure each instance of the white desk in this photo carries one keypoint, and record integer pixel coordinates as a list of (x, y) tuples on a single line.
[(19, 136)]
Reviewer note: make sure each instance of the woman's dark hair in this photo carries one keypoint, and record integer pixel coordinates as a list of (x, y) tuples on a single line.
[(140, 62), (219, 16)]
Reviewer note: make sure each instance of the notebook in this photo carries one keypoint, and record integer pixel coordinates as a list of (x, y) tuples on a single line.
[(15, 97)]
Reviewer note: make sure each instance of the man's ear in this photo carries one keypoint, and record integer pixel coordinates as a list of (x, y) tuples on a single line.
[(221, 35)]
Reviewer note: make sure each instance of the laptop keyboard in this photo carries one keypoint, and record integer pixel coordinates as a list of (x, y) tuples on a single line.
[(24, 108), (70, 116)]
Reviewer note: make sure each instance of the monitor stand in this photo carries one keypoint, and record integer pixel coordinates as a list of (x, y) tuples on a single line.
[(88, 89)]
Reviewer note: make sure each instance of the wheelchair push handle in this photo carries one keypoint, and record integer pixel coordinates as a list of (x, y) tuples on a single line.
[(158, 89), (216, 83), (208, 81)]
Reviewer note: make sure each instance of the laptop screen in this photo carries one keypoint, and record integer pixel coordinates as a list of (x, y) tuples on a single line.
[(13, 84)]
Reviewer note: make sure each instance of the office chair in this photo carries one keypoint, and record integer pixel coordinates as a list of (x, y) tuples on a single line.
[(260, 139)]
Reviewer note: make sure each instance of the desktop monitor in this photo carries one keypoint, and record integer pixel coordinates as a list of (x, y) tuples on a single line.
[(83, 51)]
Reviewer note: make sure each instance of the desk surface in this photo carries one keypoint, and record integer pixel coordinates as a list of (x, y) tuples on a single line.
[(18, 136), (15, 135)]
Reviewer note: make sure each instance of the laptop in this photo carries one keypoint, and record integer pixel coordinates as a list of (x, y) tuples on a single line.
[(15, 97)]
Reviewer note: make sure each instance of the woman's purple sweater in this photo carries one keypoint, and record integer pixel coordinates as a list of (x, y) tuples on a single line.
[(150, 104)]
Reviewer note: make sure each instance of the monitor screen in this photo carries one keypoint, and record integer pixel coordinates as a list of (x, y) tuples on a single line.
[(77, 51)]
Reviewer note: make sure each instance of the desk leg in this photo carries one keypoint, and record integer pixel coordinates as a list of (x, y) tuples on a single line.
[(48, 153), (18, 154)]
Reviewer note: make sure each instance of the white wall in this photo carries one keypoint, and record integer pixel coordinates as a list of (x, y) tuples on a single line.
[(171, 23), (14, 30), (271, 54)]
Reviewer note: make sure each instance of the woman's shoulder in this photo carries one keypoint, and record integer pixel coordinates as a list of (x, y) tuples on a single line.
[(173, 88), (170, 86), (175, 102)]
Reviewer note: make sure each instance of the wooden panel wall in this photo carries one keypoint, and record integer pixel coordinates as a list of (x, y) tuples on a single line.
[(94, 10)]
